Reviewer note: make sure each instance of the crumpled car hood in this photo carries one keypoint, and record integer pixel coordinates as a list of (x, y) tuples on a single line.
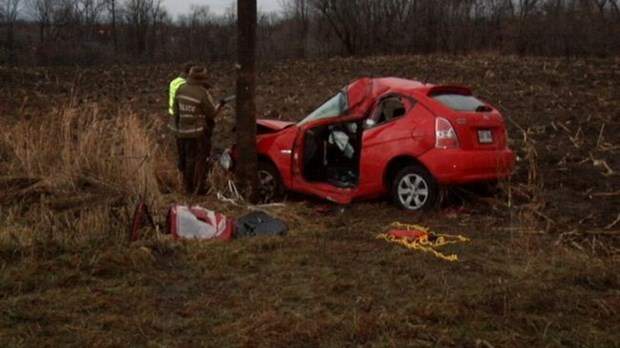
[(272, 125)]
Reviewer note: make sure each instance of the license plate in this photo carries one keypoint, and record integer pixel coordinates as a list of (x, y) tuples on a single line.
[(485, 136)]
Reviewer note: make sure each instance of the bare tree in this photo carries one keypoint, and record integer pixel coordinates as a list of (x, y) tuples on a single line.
[(112, 7), (10, 10), (41, 11), (309, 28), (615, 7), (298, 11), (196, 31), (525, 9), (227, 28), (158, 16), (143, 18), (341, 16), (65, 20), (139, 18), (89, 12)]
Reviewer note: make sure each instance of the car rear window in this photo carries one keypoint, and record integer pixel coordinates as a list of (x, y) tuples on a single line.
[(461, 102)]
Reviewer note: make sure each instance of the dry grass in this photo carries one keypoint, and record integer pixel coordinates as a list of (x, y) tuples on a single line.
[(531, 199), (329, 282), (72, 173), (71, 177)]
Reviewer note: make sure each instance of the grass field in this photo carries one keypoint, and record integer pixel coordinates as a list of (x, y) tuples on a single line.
[(80, 147)]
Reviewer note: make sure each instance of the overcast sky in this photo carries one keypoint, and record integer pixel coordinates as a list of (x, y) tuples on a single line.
[(177, 7)]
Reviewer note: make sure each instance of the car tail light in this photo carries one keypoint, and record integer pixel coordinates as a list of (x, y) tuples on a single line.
[(445, 136)]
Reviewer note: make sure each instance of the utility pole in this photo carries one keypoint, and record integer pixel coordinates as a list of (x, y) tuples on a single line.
[(246, 171)]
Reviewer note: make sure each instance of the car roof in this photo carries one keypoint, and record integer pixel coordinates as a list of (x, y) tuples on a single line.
[(364, 91), (380, 85), (400, 83)]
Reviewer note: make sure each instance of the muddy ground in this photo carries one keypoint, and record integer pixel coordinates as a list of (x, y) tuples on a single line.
[(540, 268), (563, 115)]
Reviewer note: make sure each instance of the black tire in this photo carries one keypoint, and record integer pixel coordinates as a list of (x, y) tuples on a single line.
[(414, 188), (270, 186)]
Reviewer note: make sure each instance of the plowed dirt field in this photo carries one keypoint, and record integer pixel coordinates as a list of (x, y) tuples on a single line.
[(540, 269)]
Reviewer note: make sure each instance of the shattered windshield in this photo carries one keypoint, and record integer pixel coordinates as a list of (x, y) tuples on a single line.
[(335, 106)]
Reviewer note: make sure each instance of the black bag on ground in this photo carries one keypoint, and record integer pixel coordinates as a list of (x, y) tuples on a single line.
[(258, 223)]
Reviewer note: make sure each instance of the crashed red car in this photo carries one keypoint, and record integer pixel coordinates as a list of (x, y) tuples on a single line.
[(384, 136)]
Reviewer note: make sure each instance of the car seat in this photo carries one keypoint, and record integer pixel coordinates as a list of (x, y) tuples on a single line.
[(392, 108)]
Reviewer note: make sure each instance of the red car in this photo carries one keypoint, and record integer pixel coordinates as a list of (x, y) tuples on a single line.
[(385, 136)]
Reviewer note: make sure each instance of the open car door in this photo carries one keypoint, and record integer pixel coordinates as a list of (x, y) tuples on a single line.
[(312, 160)]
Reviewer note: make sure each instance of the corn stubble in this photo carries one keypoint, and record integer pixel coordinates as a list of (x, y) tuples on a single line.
[(540, 269)]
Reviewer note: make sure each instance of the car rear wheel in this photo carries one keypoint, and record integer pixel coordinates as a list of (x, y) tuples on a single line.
[(414, 188), (270, 187)]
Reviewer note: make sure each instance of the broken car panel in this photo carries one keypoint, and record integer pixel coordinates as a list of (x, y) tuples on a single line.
[(387, 136)]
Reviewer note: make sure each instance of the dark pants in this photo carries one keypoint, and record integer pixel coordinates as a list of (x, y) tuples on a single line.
[(194, 162)]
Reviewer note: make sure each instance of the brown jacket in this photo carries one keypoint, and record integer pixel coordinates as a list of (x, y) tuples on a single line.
[(194, 111)]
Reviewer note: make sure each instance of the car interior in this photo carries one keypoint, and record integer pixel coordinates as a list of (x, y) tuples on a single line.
[(332, 154), (386, 110)]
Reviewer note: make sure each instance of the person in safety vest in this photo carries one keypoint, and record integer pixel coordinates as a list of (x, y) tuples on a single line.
[(192, 124), (175, 84)]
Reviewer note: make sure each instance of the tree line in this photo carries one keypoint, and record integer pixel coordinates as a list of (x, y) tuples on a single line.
[(45, 32)]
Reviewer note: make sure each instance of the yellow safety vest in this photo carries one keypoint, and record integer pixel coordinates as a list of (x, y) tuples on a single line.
[(174, 86)]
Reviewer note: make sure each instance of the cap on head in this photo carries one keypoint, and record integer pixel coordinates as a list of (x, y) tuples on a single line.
[(198, 73), (187, 67)]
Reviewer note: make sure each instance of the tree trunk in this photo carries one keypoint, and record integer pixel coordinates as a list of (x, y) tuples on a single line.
[(246, 107), (11, 44), (114, 37)]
